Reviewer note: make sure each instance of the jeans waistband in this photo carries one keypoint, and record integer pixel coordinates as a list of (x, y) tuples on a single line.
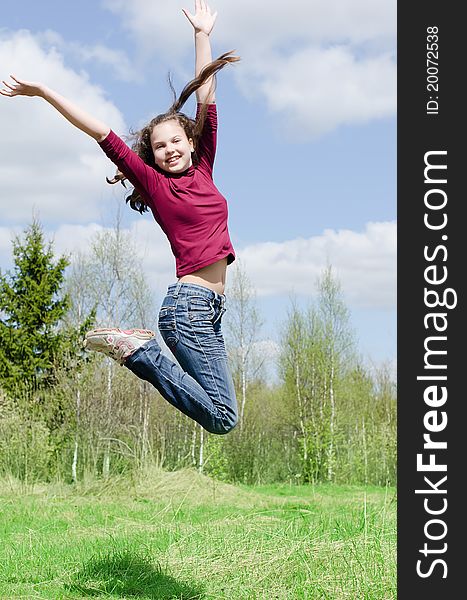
[(193, 289)]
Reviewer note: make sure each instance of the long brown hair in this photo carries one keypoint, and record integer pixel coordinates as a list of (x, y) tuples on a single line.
[(142, 138)]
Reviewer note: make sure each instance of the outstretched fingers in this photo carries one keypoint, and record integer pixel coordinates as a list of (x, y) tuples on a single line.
[(200, 7), (203, 20), (7, 90), (204, 7), (21, 88), (10, 90)]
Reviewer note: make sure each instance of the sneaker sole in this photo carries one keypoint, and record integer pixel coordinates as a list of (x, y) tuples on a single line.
[(96, 335)]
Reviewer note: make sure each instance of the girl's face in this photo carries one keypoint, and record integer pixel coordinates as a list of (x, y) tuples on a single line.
[(171, 147)]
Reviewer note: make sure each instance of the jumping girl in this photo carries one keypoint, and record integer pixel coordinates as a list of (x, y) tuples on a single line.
[(170, 166)]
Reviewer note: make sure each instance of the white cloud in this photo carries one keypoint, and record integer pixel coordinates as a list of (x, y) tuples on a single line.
[(245, 25), (364, 262), (318, 90), (73, 239), (265, 24), (44, 161), (158, 27), (68, 239), (150, 242), (158, 261), (115, 60), (326, 63)]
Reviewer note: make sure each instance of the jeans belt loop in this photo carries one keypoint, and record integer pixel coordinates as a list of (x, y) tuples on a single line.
[(177, 289)]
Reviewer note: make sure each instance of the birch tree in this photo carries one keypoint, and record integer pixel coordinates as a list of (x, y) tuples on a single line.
[(110, 280), (301, 364), (317, 345), (243, 325), (338, 346)]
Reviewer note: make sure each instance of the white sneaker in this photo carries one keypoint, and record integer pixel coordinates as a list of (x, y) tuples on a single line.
[(119, 344)]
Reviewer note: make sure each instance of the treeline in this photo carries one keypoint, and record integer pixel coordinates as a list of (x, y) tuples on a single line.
[(67, 414)]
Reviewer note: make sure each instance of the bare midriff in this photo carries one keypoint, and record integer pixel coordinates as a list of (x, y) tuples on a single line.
[(212, 276)]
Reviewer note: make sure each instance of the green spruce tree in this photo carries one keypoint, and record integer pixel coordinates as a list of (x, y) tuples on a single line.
[(32, 306)]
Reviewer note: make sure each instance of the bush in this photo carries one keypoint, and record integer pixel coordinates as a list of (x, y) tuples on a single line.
[(25, 448)]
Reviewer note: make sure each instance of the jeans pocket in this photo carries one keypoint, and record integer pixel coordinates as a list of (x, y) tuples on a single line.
[(167, 325), (200, 309)]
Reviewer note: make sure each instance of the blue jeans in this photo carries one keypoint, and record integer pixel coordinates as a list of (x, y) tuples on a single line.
[(201, 387)]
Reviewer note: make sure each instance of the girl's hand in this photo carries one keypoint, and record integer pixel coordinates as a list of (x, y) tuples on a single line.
[(202, 21), (21, 88), (72, 113)]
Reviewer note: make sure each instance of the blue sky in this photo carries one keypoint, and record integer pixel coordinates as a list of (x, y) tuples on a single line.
[(307, 140)]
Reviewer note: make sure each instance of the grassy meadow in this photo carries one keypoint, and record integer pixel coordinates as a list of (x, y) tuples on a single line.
[(181, 535)]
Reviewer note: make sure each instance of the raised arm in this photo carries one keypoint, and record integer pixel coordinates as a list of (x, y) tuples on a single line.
[(203, 22), (77, 117)]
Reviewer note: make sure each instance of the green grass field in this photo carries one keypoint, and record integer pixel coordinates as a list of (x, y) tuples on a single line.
[(184, 536)]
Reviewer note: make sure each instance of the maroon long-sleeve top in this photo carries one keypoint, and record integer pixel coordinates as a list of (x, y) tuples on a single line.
[(189, 208)]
